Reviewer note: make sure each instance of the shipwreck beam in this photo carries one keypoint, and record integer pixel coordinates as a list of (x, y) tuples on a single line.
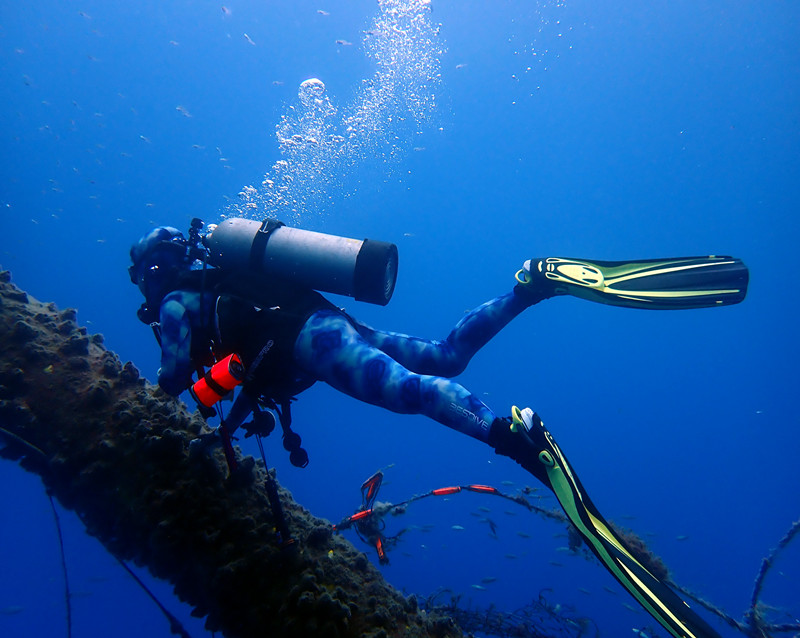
[(115, 449)]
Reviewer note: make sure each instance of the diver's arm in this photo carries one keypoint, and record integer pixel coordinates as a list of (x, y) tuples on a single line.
[(175, 374)]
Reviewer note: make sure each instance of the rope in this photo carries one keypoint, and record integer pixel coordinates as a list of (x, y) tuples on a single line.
[(175, 625), (67, 594)]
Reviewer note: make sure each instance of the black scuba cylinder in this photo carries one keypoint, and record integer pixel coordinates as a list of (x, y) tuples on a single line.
[(365, 270)]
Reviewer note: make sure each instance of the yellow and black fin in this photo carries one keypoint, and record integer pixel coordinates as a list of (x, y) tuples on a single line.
[(656, 597), (656, 284)]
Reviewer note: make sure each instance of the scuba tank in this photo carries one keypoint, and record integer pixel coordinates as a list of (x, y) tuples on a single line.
[(365, 270)]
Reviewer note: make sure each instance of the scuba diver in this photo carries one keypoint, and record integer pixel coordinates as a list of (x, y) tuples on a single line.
[(243, 298)]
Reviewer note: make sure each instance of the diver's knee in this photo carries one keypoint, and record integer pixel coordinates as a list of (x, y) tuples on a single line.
[(451, 367)]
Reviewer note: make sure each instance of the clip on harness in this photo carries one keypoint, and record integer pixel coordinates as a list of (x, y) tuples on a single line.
[(291, 439)]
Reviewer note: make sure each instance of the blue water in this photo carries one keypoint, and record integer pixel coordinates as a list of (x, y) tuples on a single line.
[(611, 130)]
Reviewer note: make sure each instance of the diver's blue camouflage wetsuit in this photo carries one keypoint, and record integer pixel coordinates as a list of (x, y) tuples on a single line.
[(400, 373)]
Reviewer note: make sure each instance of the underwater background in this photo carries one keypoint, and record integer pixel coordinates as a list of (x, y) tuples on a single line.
[(474, 135)]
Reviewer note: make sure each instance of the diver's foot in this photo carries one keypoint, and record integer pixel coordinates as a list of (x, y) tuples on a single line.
[(514, 437), (205, 443), (532, 282), (550, 276)]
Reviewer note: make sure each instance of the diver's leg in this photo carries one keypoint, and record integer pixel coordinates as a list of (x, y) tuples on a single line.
[(331, 349), (449, 357)]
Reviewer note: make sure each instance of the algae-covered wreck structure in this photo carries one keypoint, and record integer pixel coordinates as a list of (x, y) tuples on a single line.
[(115, 449)]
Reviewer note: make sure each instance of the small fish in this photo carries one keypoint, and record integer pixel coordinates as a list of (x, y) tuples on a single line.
[(555, 563), (145, 139), (682, 537), (11, 610), (523, 535), (507, 483), (249, 39), (225, 11), (488, 580), (484, 509), (182, 110), (461, 66), (583, 590), (639, 632), (344, 43), (511, 556), (509, 513), (563, 550), (322, 12), (479, 587), (457, 527)]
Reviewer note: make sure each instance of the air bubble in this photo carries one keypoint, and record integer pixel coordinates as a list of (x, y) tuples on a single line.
[(319, 144)]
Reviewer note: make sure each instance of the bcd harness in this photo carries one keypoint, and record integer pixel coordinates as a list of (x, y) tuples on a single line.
[(251, 343), (252, 347)]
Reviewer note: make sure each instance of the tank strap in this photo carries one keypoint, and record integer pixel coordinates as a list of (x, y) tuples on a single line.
[(259, 244)]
